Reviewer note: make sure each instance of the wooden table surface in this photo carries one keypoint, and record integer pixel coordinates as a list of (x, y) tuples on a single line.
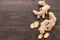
[(16, 16)]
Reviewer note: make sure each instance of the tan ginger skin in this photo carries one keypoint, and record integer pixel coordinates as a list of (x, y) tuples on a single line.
[(43, 26), (43, 10), (52, 21)]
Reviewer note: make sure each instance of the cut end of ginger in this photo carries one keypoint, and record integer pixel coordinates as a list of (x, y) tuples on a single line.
[(46, 35), (34, 25), (40, 36)]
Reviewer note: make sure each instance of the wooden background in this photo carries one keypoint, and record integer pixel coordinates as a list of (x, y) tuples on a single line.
[(16, 16)]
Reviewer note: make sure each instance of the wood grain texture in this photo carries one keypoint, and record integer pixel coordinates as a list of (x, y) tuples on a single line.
[(16, 16)]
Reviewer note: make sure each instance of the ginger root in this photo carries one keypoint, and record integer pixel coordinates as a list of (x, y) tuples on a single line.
[(43, 10), (47, 25)]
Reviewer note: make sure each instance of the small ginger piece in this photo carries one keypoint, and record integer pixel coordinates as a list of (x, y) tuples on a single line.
[(43, 26), (34, 25), (52, 21), (43, 10), (46, 35), (40, 36)]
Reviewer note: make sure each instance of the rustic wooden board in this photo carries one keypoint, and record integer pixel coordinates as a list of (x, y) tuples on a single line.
[(16, 16)]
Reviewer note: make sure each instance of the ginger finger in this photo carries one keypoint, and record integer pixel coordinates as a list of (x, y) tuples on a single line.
[(38, 16), (50, 26), (52, 21), (52, 16), (36, 12)]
